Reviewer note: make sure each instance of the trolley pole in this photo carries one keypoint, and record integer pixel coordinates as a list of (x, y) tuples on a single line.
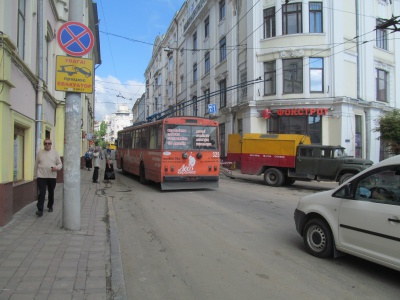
[(72, 176)]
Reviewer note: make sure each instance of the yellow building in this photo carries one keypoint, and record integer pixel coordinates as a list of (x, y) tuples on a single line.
[(30, 107)]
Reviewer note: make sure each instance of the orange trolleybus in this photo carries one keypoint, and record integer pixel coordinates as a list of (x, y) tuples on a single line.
[(178, 152)]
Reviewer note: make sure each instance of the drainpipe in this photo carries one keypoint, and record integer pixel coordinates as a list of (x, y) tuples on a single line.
[(358, 50), (367, 113), (39, 94), (176, 68), (237, 64)]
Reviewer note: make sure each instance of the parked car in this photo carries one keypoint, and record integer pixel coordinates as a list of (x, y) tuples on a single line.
[(361, 217)]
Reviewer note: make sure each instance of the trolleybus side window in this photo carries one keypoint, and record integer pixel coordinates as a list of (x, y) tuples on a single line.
[(133, 139), (144, 138), (137, 139), (155, 137)]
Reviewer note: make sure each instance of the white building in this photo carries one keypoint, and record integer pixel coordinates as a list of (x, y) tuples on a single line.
[(117, 121), (139, 110), (312, 67)]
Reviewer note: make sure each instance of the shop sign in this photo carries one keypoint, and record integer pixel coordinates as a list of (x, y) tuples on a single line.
[(302, 111), (323, 111), (266, 113)]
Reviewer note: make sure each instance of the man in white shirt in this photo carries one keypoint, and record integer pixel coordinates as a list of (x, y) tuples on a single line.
[(48, 162)]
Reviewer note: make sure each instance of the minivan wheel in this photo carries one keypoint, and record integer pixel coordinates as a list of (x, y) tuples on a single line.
[(318, 238)]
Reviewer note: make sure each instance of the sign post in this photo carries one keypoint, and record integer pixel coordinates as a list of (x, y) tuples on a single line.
[(73, 76), (75, 38)]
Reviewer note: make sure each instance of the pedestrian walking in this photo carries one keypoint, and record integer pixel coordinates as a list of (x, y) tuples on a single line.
[(47, 163), (88, 159), (108, 152), (96, 163), (109, 173)]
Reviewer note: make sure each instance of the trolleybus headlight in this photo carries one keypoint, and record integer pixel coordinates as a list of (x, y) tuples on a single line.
[(185, 155), (199, 155)]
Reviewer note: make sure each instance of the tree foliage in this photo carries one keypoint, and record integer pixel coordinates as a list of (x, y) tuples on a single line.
[(388, 125), (99, 141), (103, 129)]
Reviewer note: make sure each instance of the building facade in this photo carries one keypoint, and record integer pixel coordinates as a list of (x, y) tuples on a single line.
[(139, 110), (31, 109), (123, 117), (327, 69)]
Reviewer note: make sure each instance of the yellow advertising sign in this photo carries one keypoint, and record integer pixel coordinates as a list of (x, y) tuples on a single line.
[(74, 74)]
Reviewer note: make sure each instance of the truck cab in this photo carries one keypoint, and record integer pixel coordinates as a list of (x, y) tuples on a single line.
[(326, 163)]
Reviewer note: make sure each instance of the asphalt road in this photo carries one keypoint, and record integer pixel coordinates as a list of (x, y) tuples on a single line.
[(235, 242)]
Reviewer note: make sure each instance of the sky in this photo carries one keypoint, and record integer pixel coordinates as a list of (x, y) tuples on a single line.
[(128, 29)]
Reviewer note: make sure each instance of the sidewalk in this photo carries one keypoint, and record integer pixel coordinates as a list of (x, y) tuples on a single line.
[(41, 260)]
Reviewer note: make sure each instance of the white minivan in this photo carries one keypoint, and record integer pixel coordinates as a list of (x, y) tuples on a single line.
[(361, 217)]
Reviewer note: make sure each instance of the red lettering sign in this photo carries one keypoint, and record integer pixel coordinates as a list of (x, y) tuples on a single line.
[(302, 111)]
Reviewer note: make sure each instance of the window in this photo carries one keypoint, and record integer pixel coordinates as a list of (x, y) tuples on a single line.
[(222, 138), (170, 90), (155, 106), (381, 37), (269, 22), (308, 125), (170, 64), (291, 19), (207, 63), (222, 93), (206, 27), (180, 84), (293, 75), (195, 41), (194, 72), (316, 74), (221, 10), (222, 49), (381, 186), (381, 85), (358, 139), (19, 158), (181, 110), (315, 17), (144, 138), (194, 100), (21, 28), (184, 137), (155, 137), (240, 127), (243, 84), (207, 97), (270, 78)]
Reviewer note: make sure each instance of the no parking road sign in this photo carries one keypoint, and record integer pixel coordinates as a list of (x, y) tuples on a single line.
[(75, 38)]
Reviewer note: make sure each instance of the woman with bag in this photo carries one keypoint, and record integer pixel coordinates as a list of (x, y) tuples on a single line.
[(88, 159), (109, 173)]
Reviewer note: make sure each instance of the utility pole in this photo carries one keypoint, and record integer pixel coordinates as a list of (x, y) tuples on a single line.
[(72, 176)]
